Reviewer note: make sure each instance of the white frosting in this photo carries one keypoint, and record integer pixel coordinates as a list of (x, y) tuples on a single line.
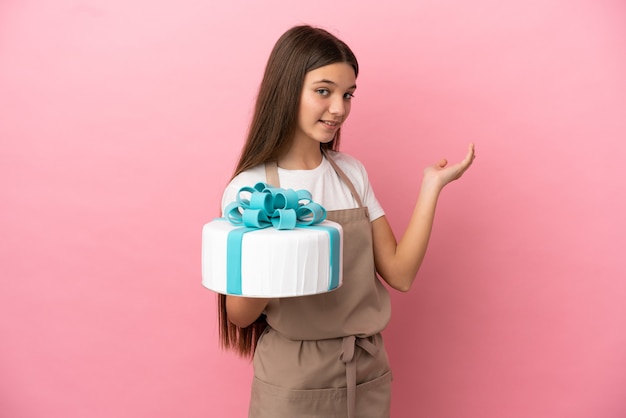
[(275, 263)]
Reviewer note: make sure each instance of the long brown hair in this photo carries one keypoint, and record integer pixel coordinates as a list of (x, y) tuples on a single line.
[(299, 50)]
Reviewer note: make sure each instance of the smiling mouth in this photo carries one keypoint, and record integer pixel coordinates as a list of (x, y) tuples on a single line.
[(330, 123)]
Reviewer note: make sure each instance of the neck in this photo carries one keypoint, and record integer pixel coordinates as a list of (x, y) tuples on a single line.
[(301, 158), (300, 162)]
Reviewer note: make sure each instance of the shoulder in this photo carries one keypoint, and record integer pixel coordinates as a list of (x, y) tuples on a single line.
[(342, 157), (350, 165), (246, 178), (249, 177), (346, 160)]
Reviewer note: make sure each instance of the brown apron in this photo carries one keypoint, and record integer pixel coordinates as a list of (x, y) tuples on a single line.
[(323, 355)]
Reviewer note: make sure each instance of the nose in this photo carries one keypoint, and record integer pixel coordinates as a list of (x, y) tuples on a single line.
[(337, 107)]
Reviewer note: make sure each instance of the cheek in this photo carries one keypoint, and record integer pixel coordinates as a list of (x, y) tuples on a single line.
[(308, 105), (348, 108)]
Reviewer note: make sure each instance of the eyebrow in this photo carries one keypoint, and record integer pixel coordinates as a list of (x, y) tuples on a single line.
[(332, 82)]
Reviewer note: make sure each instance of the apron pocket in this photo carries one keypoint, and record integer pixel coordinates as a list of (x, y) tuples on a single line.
[(373, 399)]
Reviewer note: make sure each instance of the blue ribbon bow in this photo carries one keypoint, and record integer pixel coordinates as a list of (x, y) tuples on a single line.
[(273, 206)]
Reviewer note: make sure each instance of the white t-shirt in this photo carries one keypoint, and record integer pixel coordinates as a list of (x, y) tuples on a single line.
[(323, 182)]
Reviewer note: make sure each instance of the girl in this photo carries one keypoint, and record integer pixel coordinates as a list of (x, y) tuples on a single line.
[(323, 355)]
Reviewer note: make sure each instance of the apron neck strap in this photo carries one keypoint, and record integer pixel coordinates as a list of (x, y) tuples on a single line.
[(343, 177), (271, 174)]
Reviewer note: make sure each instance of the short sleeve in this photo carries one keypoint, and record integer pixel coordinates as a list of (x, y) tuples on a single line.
[(369, 198)]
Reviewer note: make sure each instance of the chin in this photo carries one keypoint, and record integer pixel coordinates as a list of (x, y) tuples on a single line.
[(327, 139)]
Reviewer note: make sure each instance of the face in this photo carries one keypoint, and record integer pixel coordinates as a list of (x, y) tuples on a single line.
[(325, 102)]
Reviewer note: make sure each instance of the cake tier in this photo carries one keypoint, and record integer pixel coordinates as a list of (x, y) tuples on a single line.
[(273, 263)]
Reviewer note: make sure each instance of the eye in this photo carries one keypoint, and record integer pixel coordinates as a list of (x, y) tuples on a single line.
[(323, 92), (348, 96)]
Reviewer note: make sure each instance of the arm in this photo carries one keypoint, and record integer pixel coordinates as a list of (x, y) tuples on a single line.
[(398, 262), (244, 311)]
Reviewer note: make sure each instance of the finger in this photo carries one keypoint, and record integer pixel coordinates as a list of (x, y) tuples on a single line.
[(469, 158), (471, 151)]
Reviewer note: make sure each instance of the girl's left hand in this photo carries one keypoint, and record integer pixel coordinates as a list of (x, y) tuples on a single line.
[(442, 174)]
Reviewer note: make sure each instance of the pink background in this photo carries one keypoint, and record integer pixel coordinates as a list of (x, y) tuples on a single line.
[(120, 123)]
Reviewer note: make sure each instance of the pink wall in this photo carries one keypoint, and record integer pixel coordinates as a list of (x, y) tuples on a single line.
[(120, 123)]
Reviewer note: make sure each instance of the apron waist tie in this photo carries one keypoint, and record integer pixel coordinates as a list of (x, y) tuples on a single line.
[(348, 346)]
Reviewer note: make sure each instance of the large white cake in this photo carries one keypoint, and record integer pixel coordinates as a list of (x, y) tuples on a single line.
[(272, 263)]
